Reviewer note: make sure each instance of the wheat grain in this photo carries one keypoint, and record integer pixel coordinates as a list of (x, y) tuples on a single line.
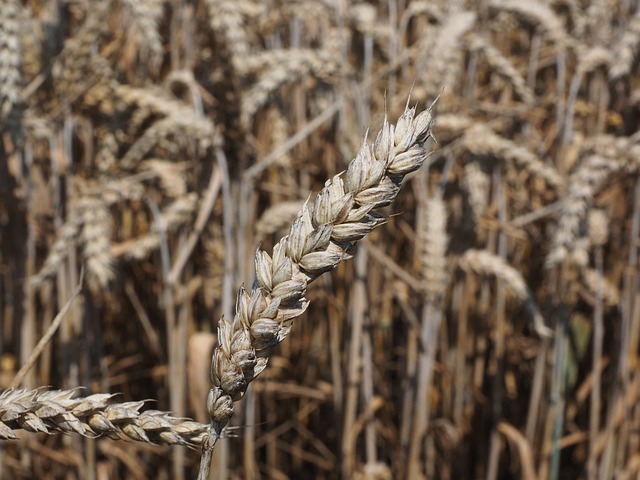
[(322, 235), (60, 411)]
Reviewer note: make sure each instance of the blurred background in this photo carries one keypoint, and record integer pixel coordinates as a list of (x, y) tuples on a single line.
[(490, 330)]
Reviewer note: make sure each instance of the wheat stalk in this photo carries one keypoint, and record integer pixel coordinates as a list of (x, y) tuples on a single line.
[(322, 235), (60, 411)]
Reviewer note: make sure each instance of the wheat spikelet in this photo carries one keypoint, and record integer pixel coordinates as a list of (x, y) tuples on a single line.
[(142, 17), (482, 262), (626, 50), (57, 411), (10, 54), (480, 140), (321, 237), (500, 64), (434, 241), (604, 156)]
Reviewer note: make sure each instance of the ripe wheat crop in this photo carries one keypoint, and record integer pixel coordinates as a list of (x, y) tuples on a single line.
[(164, 209)]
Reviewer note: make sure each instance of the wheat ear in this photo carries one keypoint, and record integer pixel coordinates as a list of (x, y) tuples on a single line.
[(322, 235), (52, 411)]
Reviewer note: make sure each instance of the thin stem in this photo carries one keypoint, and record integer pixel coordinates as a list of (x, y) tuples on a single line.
[(46, 338)]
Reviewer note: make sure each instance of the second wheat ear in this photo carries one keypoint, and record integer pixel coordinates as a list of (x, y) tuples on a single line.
[(322, 235)]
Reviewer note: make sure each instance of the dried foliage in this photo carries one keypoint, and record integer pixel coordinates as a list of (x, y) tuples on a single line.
[(488, 328)]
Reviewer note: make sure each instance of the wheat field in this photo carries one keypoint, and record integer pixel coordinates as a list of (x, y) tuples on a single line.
[(487, 328)]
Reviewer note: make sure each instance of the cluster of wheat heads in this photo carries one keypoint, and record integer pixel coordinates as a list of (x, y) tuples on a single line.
[(490, 330)]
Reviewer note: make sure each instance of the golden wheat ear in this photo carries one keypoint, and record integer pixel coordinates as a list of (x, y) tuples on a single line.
[(322, 235)]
